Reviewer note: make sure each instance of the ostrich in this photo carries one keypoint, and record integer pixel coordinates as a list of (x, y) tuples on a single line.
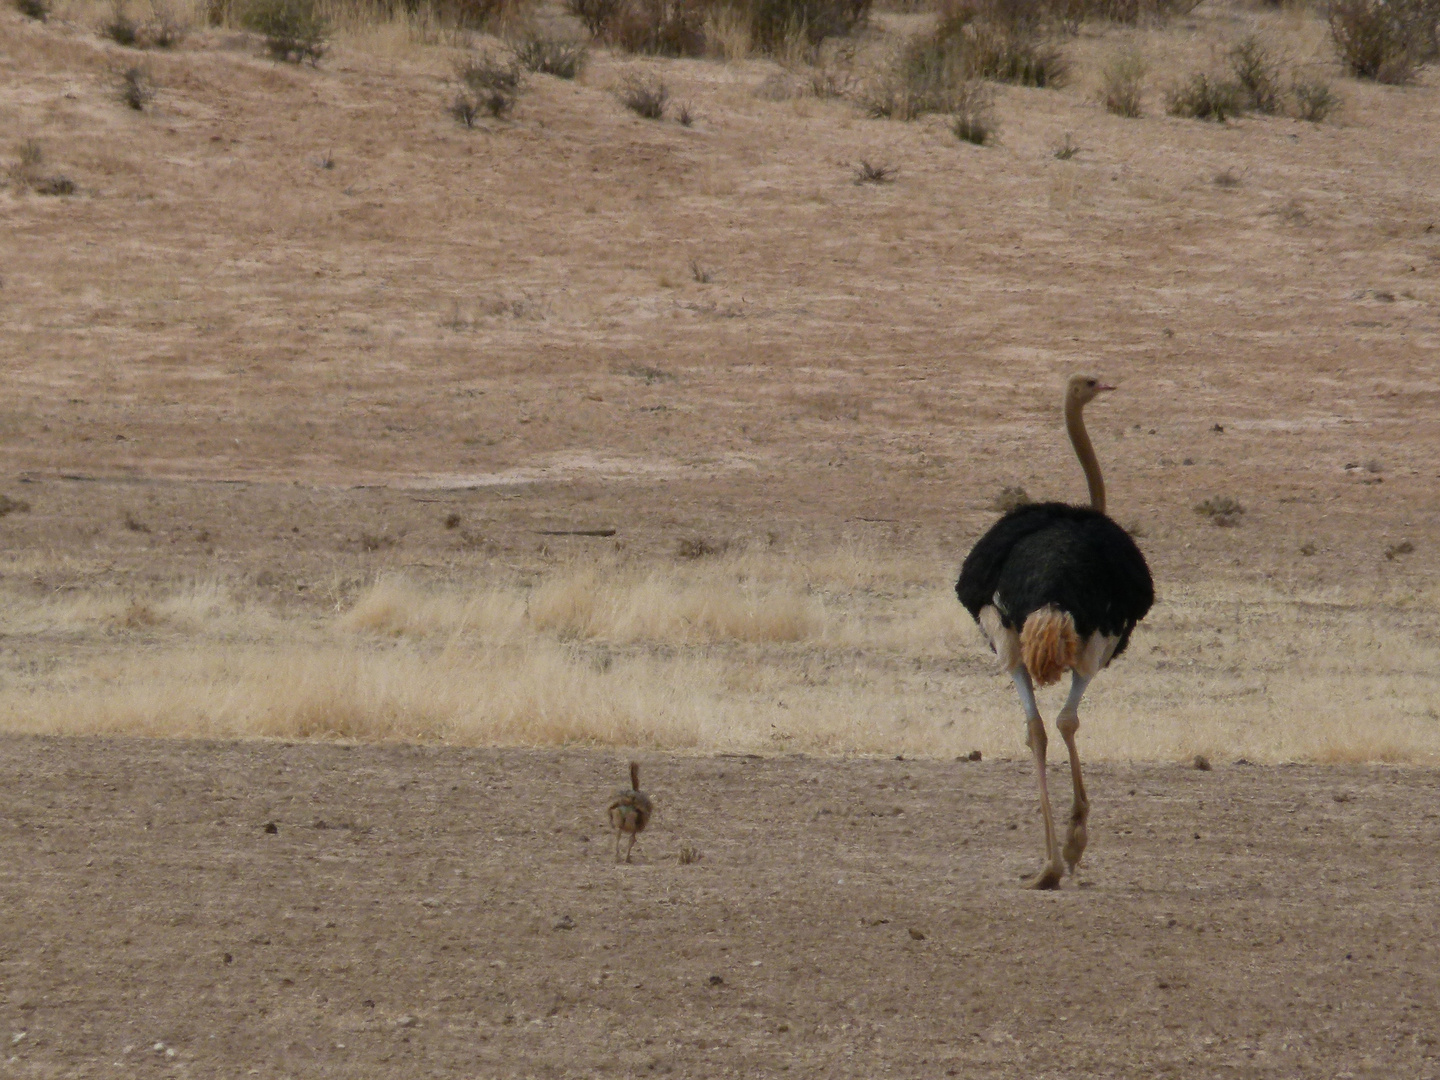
[(1057, 587), (629, 811)]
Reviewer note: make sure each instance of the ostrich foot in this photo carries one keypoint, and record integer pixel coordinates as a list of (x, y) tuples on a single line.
[(1075, 841), (1048, 878)]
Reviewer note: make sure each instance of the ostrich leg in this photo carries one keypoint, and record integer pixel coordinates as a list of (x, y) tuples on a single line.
[(1049, 877), (1069, 722)]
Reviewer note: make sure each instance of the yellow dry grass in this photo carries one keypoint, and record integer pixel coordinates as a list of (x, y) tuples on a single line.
[(751, 651)]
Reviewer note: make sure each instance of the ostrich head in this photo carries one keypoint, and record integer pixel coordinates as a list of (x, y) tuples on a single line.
[(1082, 389)]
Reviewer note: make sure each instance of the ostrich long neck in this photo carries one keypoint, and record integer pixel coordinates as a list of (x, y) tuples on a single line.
[(1075, 425)]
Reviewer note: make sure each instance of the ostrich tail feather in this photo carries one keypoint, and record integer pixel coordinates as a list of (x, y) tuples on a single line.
[(635, 776), (1049, 644)]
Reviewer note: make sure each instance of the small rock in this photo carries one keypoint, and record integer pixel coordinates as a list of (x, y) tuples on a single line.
[(716, 980), (406, 1021), (271, 828), (974, 755), (17, 1037), (227, 959), (916, 934), (1202, 763), (367, 1003), (565, 923)]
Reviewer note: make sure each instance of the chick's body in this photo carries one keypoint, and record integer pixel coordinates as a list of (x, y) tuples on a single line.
[(630, 811)]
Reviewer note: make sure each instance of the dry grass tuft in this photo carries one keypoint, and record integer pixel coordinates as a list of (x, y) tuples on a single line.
[(644, 95), (868, 656), (1122, 85), (1222, 510)]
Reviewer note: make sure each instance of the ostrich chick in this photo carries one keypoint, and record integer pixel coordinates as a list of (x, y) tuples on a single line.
[(629, 811)]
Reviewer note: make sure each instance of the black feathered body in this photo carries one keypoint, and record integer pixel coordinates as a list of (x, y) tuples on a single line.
[(1069, 557)]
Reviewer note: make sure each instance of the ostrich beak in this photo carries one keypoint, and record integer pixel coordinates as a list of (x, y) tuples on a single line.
[(1103, 387)]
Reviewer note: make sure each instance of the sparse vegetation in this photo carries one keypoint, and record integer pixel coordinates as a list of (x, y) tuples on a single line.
[(137, 89), (1011, 497), (39, 10), (1067, 149), (551, 56), (685, 114), (644, 95), (1313, 99), (1122, 84), (1227, 179), (595, 15), (1257, 73), (12, 506), (1206, 97), (866, 173), (700, 547), (294, 30), (1222, 510), (658, 27), (27, 172), (1404, 547), (491, 86), (1383, 40), (689, 854), (974, 114), (465, 109), (1001, 40), (120, 28), (699, 273)]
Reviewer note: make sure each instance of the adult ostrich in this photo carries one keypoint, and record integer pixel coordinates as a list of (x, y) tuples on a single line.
[(1055, 588)]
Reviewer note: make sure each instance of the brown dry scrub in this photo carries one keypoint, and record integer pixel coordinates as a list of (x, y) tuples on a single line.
[(843, 653)]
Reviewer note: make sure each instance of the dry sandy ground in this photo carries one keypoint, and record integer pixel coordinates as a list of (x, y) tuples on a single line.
[(452, 912)]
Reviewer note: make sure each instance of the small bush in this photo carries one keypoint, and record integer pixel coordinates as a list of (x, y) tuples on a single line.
[(1067, 149), (551, 56), (164, 30), (866, 173), (1004, 40), (1377, 39), (121, 29), (465, 109), (1313, 100), (1257, 74), (644, 95), (60, 184), (597, 16), (493, 86), (1122, 85), (1222, 510), (975, 114), (659, 27), (776, 24), (27, 173), (1206, 97), (136, 88), (1011, 497), (685, 114), (39, 10), (293, 29)]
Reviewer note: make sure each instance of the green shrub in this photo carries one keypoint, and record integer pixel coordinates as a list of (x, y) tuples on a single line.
[(293, 29), (551, 56), (1206, 97), (1122, 83)]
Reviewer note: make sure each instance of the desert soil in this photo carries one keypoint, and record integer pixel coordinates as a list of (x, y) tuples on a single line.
[(458, 912)]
